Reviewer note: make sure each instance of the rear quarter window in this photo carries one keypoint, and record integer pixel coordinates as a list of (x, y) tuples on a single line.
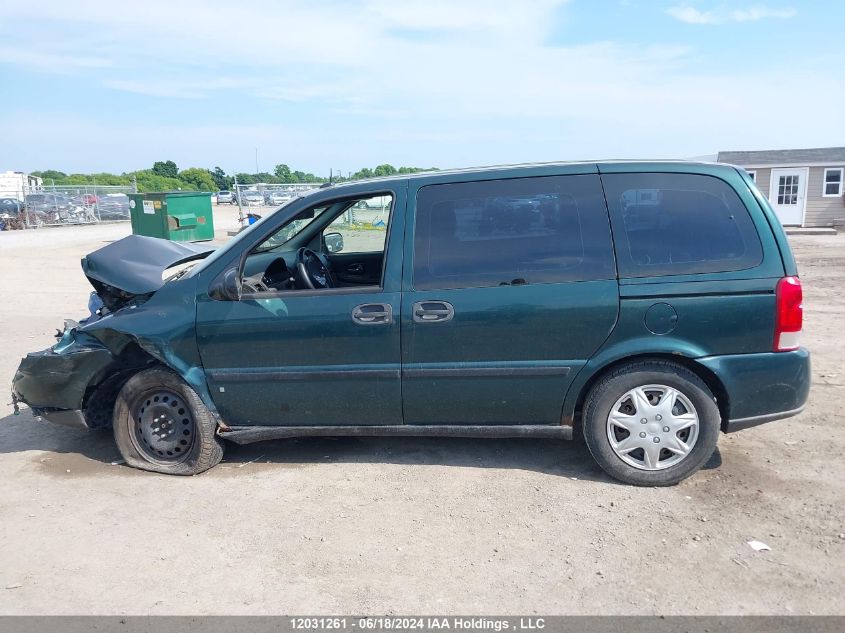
[(513, 231), (679, 224)]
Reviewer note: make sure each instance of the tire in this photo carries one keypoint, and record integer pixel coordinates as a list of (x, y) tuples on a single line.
[(662, 389), (161, 425)]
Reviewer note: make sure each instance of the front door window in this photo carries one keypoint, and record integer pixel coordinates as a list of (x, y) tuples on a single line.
[(332, 245), (363, 226)]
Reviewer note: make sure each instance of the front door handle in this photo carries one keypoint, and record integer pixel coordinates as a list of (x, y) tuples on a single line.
[(433, 311), (355, 269), (373, 314)]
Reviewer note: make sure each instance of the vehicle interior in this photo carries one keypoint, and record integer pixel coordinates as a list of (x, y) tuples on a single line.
[(335, 245)]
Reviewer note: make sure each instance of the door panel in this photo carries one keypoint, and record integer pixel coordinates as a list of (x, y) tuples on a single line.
[(301, 360), (506, 356), (310, 358), (788, 194), (357, 268), (511, 288)]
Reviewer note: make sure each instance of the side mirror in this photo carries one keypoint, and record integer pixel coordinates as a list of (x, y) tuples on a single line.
[(334, 242), (226, 287)]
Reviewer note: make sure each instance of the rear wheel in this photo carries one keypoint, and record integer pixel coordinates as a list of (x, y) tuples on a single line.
[(160, 424), (651, 423)]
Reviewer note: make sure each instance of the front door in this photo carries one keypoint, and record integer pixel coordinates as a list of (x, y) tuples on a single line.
[(311, 357), (512, 288), (788, 194)]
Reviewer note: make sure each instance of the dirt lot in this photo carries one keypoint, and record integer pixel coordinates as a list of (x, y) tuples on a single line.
[(407, 525)]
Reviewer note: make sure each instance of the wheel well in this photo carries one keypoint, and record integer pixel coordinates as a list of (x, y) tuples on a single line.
[(101, 394), (710, 379)]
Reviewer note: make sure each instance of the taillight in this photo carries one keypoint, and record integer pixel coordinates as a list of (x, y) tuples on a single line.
[(789, 314)]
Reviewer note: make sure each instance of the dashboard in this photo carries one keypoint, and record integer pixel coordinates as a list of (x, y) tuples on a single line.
[(276, 276)]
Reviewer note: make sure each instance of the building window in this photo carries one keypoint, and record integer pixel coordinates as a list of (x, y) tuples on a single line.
[(832, 186), (753, 175), (788, 189)]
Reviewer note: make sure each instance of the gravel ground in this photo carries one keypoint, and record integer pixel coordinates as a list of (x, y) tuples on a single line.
[(408, 525)]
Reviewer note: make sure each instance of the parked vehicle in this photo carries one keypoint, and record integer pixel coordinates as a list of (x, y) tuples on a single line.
[(379, 202), (11, 216), (252, 197), (643, 306), (85, 199), (14, 215), (225, 197), (276, 198), (113, 206), (48, 203), (10, 206), (57, 208)]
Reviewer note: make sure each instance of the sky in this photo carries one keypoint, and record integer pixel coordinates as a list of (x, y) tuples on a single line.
[(99, 85)]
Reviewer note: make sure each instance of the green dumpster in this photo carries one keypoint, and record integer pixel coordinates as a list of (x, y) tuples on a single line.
[(183, 216)]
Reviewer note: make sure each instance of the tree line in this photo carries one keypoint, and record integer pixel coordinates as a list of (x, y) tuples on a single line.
[(166, 176)]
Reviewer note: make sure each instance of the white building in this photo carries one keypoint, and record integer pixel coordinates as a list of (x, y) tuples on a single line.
[(806, 187), (16, 184)]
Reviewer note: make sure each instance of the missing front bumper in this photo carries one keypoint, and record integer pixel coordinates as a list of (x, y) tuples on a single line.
[(66, 417), (57, 378)]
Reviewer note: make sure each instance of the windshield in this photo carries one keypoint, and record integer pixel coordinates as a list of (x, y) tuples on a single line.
[(290, 229), (240, 237)]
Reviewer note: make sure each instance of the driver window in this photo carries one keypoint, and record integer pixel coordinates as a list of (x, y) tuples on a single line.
[(339, 244), (362, 228)]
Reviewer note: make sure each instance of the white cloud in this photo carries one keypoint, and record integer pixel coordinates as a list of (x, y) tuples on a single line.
[(46, 60), (723, 14), (174, 88), (419, 82)]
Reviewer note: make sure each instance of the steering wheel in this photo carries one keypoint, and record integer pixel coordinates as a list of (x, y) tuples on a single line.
[(314, 269)]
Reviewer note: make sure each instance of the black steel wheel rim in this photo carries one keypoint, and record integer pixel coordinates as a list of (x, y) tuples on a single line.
[(163, 429)]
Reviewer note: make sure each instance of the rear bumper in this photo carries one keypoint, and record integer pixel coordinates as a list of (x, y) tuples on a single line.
[(762, 387), (739, 424)]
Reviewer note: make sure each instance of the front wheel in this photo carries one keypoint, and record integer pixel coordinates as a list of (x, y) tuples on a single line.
[(160, 424), (651, 423)]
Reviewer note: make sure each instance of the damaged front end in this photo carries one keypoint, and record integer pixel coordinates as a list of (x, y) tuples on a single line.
[(54, 381), (134, 266), (138, 319)]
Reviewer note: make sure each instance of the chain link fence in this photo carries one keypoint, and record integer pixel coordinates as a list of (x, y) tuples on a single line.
[(259, 199), (57, 205), (256, 200), (266, 195), (33, 206)]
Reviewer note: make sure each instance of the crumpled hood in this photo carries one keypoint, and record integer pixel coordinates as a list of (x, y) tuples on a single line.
[(134, 265)]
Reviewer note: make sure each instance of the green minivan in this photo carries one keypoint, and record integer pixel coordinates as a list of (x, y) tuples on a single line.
[(643, 306)]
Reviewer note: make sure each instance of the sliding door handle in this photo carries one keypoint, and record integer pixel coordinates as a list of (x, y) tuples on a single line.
[(433, 311)]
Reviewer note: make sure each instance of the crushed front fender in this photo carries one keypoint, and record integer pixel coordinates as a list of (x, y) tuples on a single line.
[(57, 378)]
